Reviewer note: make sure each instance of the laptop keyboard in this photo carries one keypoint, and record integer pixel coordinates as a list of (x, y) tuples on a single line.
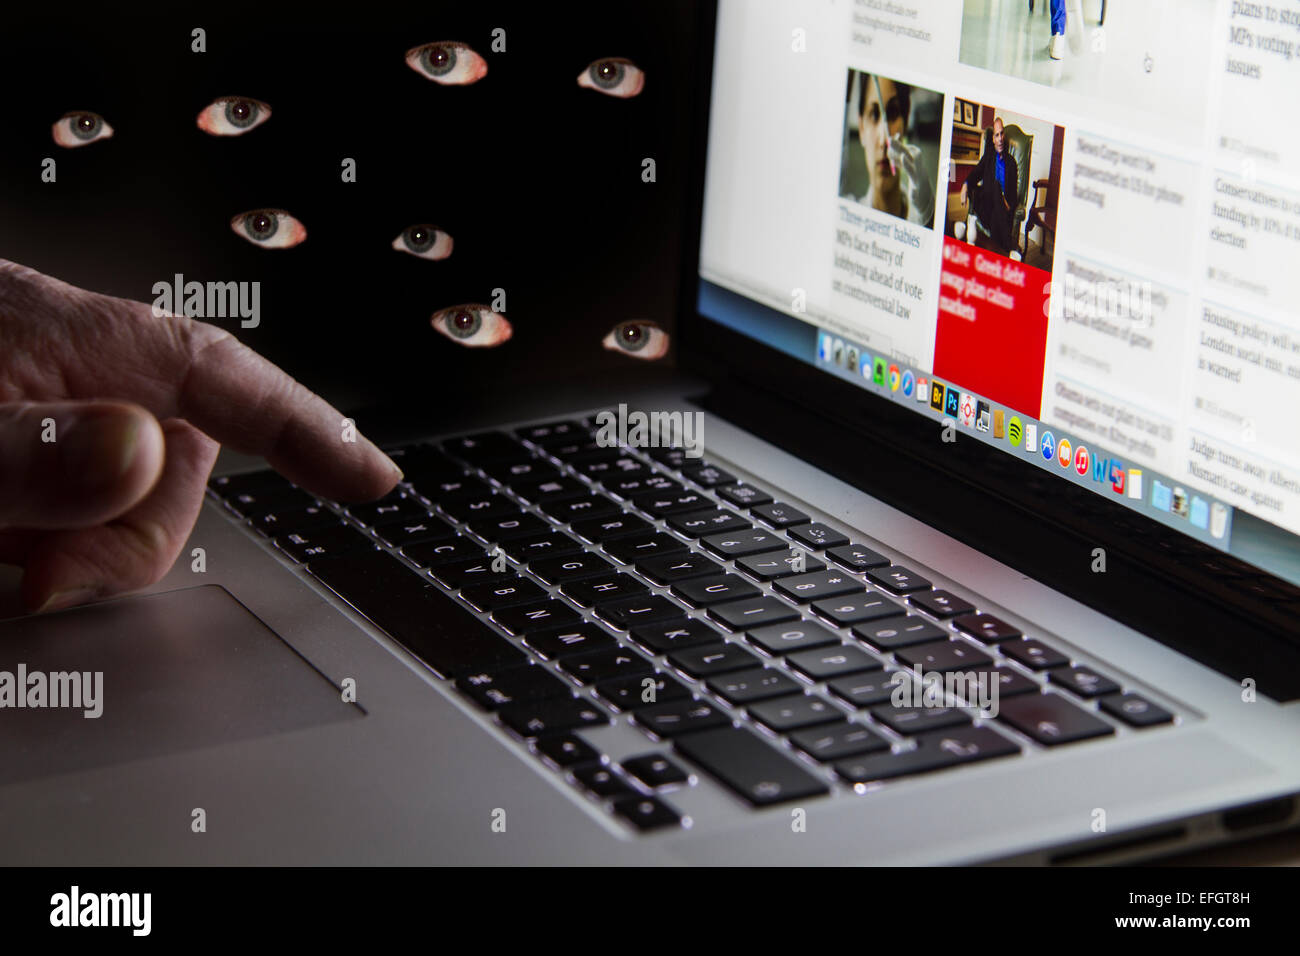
[(578, 585)]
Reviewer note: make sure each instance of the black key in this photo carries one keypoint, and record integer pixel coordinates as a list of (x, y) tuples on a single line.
[(392, 507), (897, 579), (550, 489), (647, 813), (778, 564), (794, 713), (398, 601), (943, 656), (942, 604), (1050, 719), (933, 752), (755, 684), (1009, 682), (402, 533), (668, 456), (837, 741), (570, 567), (603, 588), (918, 720), (857, 608), (254, 503), (601, 781), (745, 496), (478, 507), (550, 431), (606, 665), (538, 546), (819, 584), (551, 715), (450, 487), (895, 632), (676, 717), (744, 615), (457, 550), (483, 448), (712, 659), (627, 613), (599, 530), (565, 750), (750, 766), (701, 592), (708, 476), (636, 484), (310, 518), (796, 636), (663, 504), (737, 544), (1084, 681), (565, 447), (500, 594), (564, 641), (677, 567), (538, 616), (986, 627), (573, 509), (857, 557), (611, 465), (1033, 654), (818, 536), (828, 662), (1134, 710), (678, 632), (654, 770), (229, 486), (639, 547), (864, 690), (323, 542), (641, 690), (711, 521), (523, 470), (779, 515), (423, 461), (494, 690), (508, 526)]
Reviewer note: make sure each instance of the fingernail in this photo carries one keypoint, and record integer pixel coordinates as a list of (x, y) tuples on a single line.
[(63, 599), (99, 449)]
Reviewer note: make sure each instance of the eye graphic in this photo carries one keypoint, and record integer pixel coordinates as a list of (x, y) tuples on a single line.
[(79, 129), (641, 340), (272, 228), (614, 76), (233, 116), (427, 242), (474, 325), (448, 63)]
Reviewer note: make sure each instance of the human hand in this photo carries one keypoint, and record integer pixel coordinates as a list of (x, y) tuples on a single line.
[(920, 191), (135, 406), (964, 200)]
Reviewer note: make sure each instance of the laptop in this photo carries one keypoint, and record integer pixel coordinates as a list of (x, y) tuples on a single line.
[(945, 545)]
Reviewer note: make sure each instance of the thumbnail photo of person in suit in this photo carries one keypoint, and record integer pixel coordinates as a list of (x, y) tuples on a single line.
[(992, 189)]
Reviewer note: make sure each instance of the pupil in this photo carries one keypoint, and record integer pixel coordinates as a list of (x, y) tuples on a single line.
[(632, 333), (439, 57), (463, 319), (241, 109), (418, 236), (607, 70), (86, 122), (261, 223)]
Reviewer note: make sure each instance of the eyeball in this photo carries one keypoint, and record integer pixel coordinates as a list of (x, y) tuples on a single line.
[(476, 326), (80, 129), (270, 228), (233, 116), (640, 340), (424, 241), (448, 63), (613, 76)]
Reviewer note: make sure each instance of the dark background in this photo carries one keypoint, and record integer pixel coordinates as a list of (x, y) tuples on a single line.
[(537, 180)]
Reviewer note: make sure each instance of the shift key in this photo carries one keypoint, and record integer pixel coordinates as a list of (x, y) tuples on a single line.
[(750, 766)]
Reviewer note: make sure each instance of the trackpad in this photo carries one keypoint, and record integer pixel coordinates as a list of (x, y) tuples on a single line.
[(146, 676)]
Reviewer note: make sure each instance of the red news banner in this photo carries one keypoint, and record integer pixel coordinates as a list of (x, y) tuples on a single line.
[(992, 331)]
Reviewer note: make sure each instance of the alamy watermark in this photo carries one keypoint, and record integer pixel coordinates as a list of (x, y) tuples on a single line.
[(209, 300), (637, 429), (79, 690), (938, 689)]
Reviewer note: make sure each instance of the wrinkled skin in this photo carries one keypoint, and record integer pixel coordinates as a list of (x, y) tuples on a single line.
[(139, 406)]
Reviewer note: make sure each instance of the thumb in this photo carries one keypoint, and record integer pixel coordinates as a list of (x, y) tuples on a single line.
[(75, 464)]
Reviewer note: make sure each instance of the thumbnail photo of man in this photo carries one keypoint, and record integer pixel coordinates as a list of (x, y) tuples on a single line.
[(1005, 182), (890, 157)]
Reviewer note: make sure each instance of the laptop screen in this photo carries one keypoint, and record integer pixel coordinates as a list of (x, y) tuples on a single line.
[(1074, 238)]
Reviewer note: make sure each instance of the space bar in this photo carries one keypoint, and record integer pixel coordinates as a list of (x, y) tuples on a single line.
[(415, 614)]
